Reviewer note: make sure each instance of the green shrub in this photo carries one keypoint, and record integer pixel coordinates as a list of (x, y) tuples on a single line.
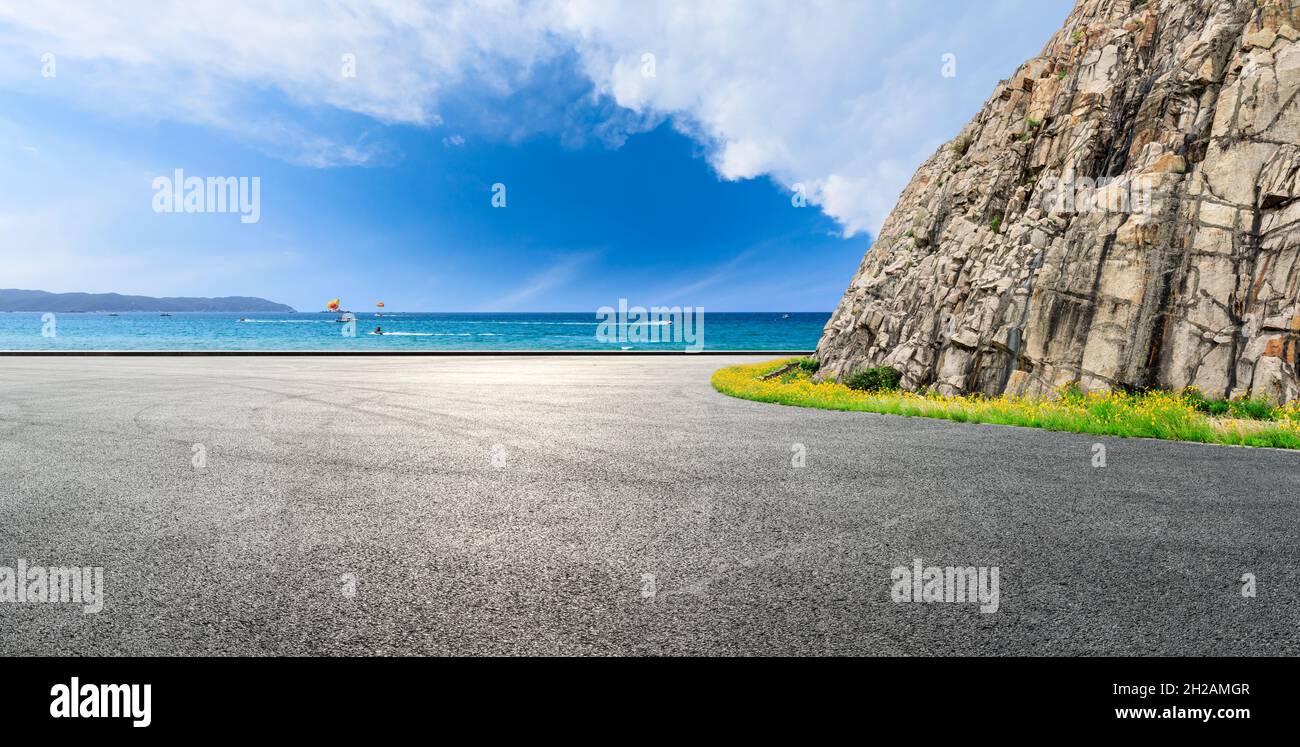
[(1201, 403), (1243, 408), (875, 379), (1214, 407), (996, 224), (809, 364), (1251, 409)]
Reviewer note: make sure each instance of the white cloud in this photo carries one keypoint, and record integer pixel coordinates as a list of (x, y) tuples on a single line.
[(843, 97), (207, 61)]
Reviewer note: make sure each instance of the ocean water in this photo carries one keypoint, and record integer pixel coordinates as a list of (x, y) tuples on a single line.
[(402, 331)]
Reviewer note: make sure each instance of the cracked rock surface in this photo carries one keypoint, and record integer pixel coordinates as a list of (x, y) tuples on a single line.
[(1121, 213)]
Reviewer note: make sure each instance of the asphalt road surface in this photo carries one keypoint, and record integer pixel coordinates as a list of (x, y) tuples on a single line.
[(580, 505)]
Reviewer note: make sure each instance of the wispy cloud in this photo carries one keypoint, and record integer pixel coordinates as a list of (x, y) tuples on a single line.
[(556, 276), (722, 273)]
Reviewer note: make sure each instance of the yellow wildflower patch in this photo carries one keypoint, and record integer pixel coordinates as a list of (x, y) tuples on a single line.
[(1156, 414)]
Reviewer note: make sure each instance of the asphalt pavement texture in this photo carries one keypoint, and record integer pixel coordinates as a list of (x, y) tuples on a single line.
[(581, 505)]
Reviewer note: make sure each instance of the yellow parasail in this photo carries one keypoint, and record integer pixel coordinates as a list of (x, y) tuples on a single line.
[(333, 305)]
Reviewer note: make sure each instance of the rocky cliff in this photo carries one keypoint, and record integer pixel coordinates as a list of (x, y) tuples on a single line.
[(1121, 213)]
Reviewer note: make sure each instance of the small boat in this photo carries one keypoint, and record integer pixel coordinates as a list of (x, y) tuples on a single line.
[(164, 315), (785, 316)]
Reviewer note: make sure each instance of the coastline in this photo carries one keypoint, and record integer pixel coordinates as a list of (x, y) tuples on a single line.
[(402, 332)]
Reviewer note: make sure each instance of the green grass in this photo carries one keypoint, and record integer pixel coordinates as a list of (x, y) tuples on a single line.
[(1175, 416)]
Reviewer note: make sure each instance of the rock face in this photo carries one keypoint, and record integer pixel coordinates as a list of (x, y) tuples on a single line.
[(1122, 213)]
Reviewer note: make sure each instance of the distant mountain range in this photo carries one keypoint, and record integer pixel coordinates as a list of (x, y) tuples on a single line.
[(33, 300)]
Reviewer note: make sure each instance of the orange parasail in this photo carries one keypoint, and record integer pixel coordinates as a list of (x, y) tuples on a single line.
[(380, 304), (333, 305)]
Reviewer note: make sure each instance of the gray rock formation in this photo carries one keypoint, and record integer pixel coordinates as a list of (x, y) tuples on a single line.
[(1121, 213)]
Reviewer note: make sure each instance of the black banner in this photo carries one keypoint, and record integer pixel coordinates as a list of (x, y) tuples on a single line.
[(141, 698)]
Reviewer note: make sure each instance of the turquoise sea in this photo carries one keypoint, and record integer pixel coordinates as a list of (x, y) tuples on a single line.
[(402, 332)]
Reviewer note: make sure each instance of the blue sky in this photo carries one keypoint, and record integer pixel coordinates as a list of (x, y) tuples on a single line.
[(669, 184)]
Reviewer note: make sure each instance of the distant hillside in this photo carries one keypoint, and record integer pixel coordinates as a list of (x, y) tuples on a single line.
[(32, 300)]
